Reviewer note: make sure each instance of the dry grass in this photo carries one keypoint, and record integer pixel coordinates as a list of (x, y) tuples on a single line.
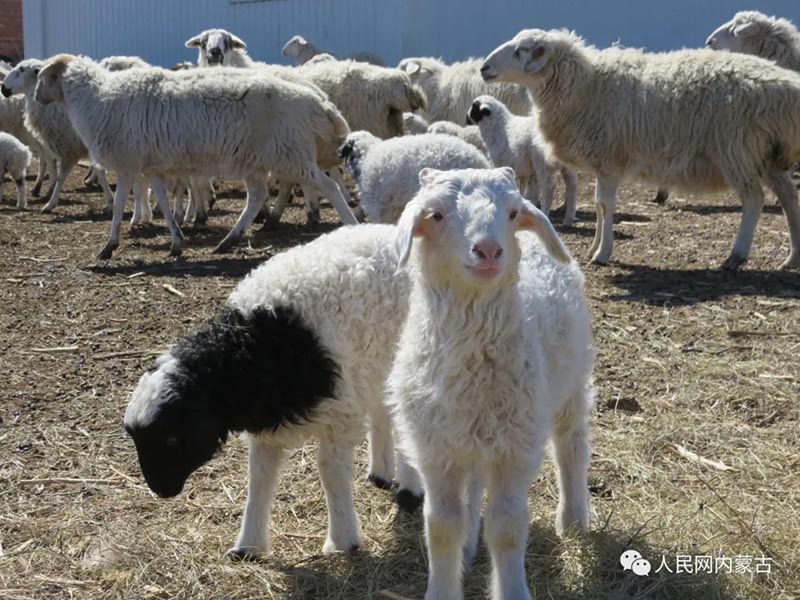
[(690, 358)]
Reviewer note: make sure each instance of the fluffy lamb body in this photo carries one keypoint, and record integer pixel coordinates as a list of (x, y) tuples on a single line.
[(415, 124), (51, 127), (752, 32), (301, 349), (12, 121), (516, 142), (625, 114), (450, 89), (303, 51), (495, 358), (201, 122), (386, 172), (15, 159), (470, 133)]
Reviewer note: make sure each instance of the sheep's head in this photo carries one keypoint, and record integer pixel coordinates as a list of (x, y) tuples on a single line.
[(49, 81), (743, 33), (421, 70), (466, 221), (526, 55), (215, 47), (22, 77), (483, 107), (300, 49), (174, 435)]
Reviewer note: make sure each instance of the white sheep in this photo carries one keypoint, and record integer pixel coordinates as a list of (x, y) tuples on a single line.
[(203, 122), (450, 89), (626, 114), (12, 121), (123, 63), (303, 52), (386, 172), (469, 133), (14, 160), (516, 142), (301, 349), (753, 32), (495, 358), (51, 127)]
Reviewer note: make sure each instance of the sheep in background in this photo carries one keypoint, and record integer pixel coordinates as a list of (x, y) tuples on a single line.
[(450, 89), (495, 357), (123, 63), (414, 124), (220, 121), (752, 32), (470, 134), (516, 142), (303, 51), (15, 158), (51, 127), (386, 172), (12, 121), (301, 349), (626, 114)]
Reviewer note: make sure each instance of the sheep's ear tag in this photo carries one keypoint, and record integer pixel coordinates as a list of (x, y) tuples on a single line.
[(745, 30)]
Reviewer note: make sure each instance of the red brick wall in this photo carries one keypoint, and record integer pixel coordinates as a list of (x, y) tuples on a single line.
[(11, 29)]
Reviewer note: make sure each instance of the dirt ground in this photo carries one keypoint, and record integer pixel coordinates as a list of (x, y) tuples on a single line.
[(697, 443)]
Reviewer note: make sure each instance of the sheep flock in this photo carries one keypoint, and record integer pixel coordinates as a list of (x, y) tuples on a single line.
[(441, 319)]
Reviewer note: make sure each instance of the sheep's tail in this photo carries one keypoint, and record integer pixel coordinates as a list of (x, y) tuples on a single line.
[(339, 127)]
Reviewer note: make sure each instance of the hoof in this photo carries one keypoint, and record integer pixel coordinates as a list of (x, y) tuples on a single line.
[(245, 553), (596, 260), (408, 501), (223, 247), (46, 210), (36, 191), (331, 548), (379, 482), (732, 263), (270, 222), (175, 250), (107, 252)]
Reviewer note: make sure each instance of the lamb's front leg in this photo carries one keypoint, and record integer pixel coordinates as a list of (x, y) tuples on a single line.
[(264, 468), (475, 488), (381, 449), (335, 461)]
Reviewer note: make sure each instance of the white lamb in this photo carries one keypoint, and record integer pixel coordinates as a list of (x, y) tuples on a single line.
[(203, 122), (51, 127), (494, 359), (301, 349), (303, 51), (752, 32), (450, 89), (14, 160), (470, 133), (516, 142), (12, 121), (386, 172), (626, 114)]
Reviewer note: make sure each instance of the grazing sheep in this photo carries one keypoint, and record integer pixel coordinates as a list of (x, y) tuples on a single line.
[(386, 172), (14, 160), (626, 114), (450, 89), (12, 121), (516, 142), (51, 127), (199, 122), (303, 52), (495, 357), (414, 124), (752, 32), (470, 134), (302, 348)]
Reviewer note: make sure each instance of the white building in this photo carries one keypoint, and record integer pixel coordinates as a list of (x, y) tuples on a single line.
[(393, 29)]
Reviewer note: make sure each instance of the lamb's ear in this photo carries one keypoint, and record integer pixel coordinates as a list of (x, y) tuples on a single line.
[(532, 219), (410, 224), (427, 176), (237, 43), (413, 67), (195, 42), (745, 30)]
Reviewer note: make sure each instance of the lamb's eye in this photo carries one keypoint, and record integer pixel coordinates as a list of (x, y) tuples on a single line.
[(437, 216), (512, 215)]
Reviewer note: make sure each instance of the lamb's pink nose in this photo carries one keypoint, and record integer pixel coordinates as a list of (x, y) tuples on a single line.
[(487, 250)]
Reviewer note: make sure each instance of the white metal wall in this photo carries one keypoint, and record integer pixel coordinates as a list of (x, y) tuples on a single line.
[(452, 29)]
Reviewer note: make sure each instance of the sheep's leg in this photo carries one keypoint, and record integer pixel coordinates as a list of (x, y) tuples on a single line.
[(381, 449), (142, 212), (178, 206), (572, 456), (52, 174), (256, 197), (475, 487), (22, 199), (546, 189), (37, 185), (2, 184), (604, 201), (281, 202), (201, 199), (311, 199), (326, 186), (264, 469), (409, 485), (91, 176), (570, 195), (505, 527), (64, 168), (338, 177), (124, 184), (445, 532), (783, 187), (107, 194), (661, 195), (752, 197), (159, 186), (335, 461)]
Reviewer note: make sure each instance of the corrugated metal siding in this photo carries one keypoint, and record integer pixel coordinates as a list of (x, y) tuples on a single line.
[(452, 29)]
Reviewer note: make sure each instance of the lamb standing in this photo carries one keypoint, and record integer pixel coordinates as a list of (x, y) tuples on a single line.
[(14, 160), (301, 349), (494, 358), (625, 114), (12, 121), (516, 142), (200, 122)]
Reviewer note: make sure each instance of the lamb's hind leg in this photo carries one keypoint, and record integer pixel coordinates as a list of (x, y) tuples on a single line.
[(570, 195), (264, 467), (124, 183), (752, 197), (381, 449), (256, 197), (335, 461), (572, 448), (783, 187), (22, 199)]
